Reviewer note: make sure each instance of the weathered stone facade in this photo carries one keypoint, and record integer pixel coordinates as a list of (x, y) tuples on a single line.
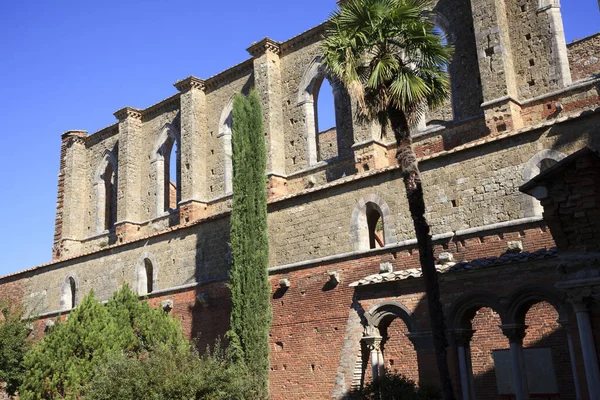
[(521, 101)]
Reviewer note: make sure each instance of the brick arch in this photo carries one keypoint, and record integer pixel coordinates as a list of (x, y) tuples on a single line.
[(225, 132), (68, 296), (358, 222), (141, 282), (168, 135), (464, 308), (383, 313), (522, 299)]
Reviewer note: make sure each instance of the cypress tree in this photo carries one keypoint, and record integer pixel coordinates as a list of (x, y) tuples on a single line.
[(249, 279)]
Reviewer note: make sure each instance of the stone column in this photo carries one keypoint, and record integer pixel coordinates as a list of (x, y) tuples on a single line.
[(515, 334), (373, 344), (462, 339), (566, 326), (580, 298), (70, 205), (268, 83), (559, 44), (194, 128), (498, 76), (130, 170)]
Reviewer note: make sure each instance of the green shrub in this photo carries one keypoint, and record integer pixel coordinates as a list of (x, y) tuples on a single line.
[(393, 386), (169, 374), (13, 346), (65, 360)]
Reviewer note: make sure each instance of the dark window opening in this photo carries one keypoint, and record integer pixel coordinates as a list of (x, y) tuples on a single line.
[(546, 163), (375, 226), (73, 289), (149, 276), (110, 197), (171, 175)]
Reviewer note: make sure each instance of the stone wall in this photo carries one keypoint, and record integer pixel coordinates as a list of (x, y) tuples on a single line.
[(584, 57)]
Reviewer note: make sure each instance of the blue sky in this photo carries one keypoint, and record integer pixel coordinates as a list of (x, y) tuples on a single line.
[(71, 64)]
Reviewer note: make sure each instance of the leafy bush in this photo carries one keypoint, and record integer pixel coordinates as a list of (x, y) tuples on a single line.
[(170, 374), (65, 361), (13, 346), (392, 386)]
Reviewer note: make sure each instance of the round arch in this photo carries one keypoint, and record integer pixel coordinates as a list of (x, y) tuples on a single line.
[(358, 222), (383, 313), (533, 167), (145, 261), (69, 292), (521, 300), (464, 308)]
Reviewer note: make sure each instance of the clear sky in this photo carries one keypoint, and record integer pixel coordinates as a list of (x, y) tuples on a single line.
[(70, 64)]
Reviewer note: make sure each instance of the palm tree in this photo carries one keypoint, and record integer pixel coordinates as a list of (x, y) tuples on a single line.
[(392, 59)]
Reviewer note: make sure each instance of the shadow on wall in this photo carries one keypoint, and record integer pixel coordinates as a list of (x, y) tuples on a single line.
[(406, 346)]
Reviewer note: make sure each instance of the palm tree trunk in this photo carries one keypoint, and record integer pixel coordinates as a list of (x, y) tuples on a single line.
[(414, 192)]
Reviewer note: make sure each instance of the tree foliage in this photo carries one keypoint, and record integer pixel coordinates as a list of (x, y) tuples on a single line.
[(249, 280), (165, 373), (393, 386), (13, 345), (393, 61), (65, 360)]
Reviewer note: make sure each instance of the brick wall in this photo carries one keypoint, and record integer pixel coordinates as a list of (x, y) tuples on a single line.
[(584, 58)]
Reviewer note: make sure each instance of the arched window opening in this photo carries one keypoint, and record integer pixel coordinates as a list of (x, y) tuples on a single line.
[(73, 291), (106, 193), (537, 164), (171, 176), (225, 129), (325, 124), (149, 276), (167, 168), (68, 295), (375, 227), (371, 226), (109, 197)]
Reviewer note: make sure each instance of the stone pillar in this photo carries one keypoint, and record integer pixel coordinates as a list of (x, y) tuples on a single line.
[(515, 334), (129, 175), (462, 339), (498, 76), (580, 298), (70, 204), (566, 326), (194, 126), (373, 344), (559, 44), (268, 83)]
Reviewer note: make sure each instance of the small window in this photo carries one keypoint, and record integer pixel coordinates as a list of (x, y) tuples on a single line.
[(73, 290), (149, 276), (546, 163)]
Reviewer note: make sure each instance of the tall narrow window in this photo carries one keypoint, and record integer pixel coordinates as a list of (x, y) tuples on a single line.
[(375, 227), (109, 197), (106, 192), (73, 291), (327, 146), (149, 270), (167, 167)]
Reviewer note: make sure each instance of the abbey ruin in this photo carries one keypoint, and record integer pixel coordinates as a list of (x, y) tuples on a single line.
[(518, 276)]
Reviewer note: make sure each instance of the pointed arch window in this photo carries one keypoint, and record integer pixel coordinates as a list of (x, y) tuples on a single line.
[(225, 131), (167, 167), (371, 225), (106, 193), (146, 277)]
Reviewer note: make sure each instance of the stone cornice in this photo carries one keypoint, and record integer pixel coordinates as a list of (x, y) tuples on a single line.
[(311, 35), (128, 112), (230, 74), (191, 82), (265, 45), (102, 134), (168, 104)]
